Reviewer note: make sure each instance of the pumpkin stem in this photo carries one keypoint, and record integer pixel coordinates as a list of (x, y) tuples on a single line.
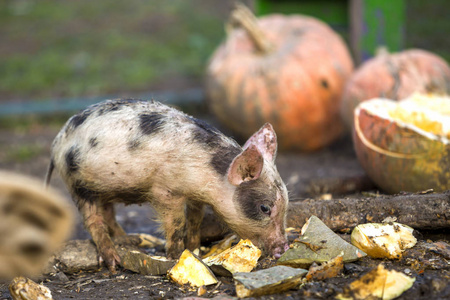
[(381, 51), (243, 17)]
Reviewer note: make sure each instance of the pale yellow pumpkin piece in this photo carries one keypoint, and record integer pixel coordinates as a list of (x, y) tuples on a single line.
[(383, 240), (242, 257), (191, 270), (378, 284)]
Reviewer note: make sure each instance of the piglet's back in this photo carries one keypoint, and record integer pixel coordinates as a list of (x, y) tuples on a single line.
[(129, 144)]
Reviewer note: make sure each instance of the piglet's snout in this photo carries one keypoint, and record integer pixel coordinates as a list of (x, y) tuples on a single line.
[(277, 247), (278, 251)]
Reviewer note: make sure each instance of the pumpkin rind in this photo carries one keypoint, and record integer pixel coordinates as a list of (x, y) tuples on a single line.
[(297, 87), (399, 157)]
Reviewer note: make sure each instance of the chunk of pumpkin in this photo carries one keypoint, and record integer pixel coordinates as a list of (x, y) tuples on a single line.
[(242, 257), (191, 270)]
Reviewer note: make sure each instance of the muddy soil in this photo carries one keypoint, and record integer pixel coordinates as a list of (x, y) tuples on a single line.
[(307, 176)]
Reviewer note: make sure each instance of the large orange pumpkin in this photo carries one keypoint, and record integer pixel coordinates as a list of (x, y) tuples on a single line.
[(395, 76), (286, 70), (405, 145)]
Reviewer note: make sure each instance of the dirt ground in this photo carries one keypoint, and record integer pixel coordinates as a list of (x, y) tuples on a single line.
[(306, 175)]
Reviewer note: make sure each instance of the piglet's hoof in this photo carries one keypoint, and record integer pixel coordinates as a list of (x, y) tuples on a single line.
[(110, 258)]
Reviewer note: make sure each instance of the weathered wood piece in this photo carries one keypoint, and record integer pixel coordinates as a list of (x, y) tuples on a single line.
[(144, 264), (419, 211), (140, 240)]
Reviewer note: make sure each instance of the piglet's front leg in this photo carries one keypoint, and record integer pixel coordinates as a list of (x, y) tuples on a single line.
[(194, 215), (171, 213)]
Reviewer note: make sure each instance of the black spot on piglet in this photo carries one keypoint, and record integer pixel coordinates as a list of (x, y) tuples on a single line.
[(150, 123), (93, 142), (222, 158), (222, 153), (72, 159), (206, 134), (79, 119), (250, 195), (205, 126), (83, 193), (114, 105)]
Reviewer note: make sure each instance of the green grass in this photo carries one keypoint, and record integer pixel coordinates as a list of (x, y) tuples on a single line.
[(72, 48), (54, 48), (27, 123), (24, 153)]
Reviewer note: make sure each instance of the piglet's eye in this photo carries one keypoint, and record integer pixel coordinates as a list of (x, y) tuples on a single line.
[(265, 209)]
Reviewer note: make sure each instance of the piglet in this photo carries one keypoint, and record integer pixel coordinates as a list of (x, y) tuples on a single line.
[(134, 151)]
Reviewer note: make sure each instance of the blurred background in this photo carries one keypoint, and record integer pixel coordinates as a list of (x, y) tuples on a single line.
[(53, 49), (57, 57)]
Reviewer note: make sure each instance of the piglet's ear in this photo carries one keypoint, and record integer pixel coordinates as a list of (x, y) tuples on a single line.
[(265, 140), (246, 166)]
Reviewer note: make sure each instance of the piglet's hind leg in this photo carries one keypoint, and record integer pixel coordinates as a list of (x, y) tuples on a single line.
[(95, 223), (114, 228)]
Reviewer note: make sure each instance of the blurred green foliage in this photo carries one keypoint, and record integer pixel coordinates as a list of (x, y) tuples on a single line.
[(53, 48), (24, 153), (56, 48)]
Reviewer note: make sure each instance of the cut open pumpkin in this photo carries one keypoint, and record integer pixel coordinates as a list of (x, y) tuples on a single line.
[(405, 146)]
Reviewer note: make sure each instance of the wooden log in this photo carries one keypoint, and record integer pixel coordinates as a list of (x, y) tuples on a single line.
[(419, 211)]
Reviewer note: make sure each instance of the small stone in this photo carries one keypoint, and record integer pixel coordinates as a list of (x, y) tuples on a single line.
[(319, 244), (268, 281)]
